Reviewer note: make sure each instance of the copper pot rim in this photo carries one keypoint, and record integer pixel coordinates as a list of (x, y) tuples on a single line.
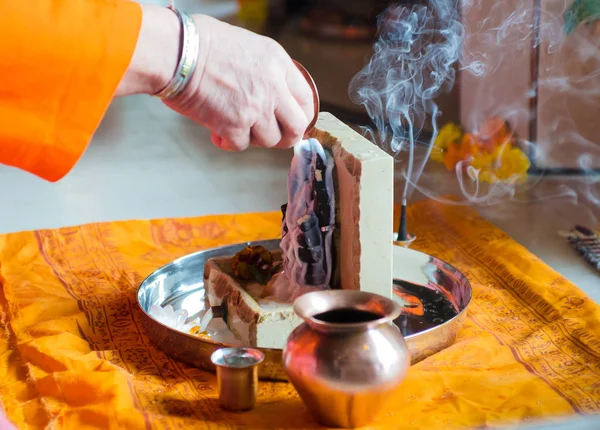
[(316, 100), (337, 299)]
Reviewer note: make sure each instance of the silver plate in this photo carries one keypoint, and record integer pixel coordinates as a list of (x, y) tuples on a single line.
[(444, 294)]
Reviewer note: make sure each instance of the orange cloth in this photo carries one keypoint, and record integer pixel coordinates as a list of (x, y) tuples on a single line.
[(60, 64), (73, 352)]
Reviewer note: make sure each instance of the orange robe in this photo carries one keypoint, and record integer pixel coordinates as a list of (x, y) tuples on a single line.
[(60, 64)]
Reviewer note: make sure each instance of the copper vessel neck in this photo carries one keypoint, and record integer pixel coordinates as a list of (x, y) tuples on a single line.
[(345, 310)]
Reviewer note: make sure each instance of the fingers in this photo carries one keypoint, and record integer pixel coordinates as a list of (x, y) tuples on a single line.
[(292, 121), (276, 117), (266, 133), (217, 140), (283, 129), (233, 142)]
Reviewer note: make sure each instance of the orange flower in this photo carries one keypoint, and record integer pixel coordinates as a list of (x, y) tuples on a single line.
[(463, 151), (452, 156), (493, 133), (469, 144), (449, 134), (490, 150)]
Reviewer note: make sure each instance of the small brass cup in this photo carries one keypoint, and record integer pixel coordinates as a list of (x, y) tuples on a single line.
[(237, 377)]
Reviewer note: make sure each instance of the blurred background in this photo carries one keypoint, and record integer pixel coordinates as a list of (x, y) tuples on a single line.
[(333, 39)]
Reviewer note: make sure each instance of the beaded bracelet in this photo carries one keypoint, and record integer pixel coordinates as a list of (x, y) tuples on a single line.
[(189, 57)]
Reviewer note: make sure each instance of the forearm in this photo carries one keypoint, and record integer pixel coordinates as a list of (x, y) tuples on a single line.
[(156, 53)]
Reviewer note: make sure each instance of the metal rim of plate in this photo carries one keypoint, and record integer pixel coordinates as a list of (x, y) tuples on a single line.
[(183, 279)]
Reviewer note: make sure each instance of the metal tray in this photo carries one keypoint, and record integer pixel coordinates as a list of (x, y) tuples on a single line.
[(437, 294)]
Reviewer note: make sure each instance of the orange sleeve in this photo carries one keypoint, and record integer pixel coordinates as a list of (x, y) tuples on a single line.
[(60, 64)]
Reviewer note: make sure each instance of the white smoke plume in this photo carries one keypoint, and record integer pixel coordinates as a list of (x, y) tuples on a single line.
[(532, 73), (420, 49), (413, 62)]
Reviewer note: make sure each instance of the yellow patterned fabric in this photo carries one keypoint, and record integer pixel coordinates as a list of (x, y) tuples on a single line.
[(73, 354)]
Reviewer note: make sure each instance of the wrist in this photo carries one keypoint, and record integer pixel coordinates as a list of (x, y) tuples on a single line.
[(156, 55), (188, 57)]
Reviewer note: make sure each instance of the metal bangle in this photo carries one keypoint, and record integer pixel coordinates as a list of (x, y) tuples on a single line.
[(189, 57)]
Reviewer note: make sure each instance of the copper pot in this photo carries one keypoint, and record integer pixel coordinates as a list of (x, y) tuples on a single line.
[(347, 357)]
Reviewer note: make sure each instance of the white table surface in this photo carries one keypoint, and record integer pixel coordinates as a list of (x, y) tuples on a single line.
[(147, 162)]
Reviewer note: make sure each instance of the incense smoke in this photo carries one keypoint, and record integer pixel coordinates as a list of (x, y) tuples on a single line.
[(535, 76), (417, 55), (413, 62)]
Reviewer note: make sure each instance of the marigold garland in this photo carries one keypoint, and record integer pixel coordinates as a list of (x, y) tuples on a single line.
[(492, 151)]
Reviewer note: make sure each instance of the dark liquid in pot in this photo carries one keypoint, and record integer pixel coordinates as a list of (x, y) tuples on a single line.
[(347, 315)]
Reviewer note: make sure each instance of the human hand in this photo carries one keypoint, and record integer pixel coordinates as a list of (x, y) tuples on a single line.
[(245, 89)]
